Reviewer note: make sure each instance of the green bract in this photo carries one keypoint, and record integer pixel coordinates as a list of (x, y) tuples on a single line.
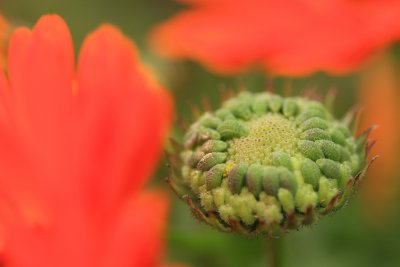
[(263, 164)]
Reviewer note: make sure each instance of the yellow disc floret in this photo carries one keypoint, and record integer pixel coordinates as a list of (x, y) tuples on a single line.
[(269, 133)]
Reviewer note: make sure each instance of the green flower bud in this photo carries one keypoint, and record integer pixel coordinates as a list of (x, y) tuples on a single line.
[(310, 172), (205, 134), (344, 154), (194, 158), (329, 168), (231, 129), (308, 114), (328, 189), (306, 198), (290, 108), (275, 103), (214, 146), (211, 159), (224, 114), (337, 137), (236, 177), (209, 121), (310, 149), (240, 108), (195, 180), (344, 130), (214, 176), (260, 105), (271, 180), (254, 178), (331, 150), (287, 180), (314, 122), (264, 163), (282, 159), (315, 134), (286, 200)]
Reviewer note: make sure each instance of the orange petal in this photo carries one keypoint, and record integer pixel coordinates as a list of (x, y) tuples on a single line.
[(137, 236), (125, 116), (41, 71)]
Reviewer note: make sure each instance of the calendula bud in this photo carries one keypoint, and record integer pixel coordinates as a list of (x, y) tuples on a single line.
[(263, 162)]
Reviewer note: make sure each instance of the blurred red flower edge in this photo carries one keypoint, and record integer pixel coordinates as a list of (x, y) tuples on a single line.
[(295, 37), (378, 94), (77, 148)]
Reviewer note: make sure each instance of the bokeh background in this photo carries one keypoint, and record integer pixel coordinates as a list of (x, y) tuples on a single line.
[(366, 233)]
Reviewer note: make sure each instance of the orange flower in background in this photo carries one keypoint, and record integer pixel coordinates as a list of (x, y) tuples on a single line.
[(76, 149), (378, 93), (293, 37)]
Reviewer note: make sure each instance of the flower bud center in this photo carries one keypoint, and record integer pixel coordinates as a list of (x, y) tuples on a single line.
[(269, 133)]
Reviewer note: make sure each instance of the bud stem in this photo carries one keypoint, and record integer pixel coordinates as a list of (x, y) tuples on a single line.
[(274, 251)]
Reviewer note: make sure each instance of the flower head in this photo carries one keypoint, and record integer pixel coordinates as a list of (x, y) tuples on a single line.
[(77, 146), (293, 37), (263, 164)]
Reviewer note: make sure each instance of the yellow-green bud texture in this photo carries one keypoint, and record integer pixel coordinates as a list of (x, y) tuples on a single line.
[(263, 164)]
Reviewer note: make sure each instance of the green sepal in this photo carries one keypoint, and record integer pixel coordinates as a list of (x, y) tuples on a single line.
[(280, 158), (310, 149), (290, 108), (315, 134), (254, 178), (231, 129), (275, 103), (214, 176), (287, 180), (314, 122), (331, 150), (330, 168), (211, 159), (271, 180), (236, 177), (310, 172), (214, 146)]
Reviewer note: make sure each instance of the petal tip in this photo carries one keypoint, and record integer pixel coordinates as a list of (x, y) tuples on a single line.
[(110, 37), (107, 33), (50, 21)]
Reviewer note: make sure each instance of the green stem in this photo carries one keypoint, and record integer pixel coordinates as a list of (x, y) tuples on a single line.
[(274, 252)]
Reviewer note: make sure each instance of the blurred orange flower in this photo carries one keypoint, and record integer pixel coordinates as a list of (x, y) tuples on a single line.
[(378, 95), (76, 149), (293, 37)]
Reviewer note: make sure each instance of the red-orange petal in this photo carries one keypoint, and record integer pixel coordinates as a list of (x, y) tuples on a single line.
[(41, 72), (140, 227), (78, 148), (125, 116)]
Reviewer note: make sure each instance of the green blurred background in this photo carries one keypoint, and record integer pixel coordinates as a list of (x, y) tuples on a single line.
[(349, 238)]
